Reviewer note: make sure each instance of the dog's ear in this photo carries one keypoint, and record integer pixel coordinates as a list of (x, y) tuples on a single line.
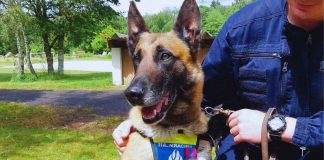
[(187, 26), (136, 26)]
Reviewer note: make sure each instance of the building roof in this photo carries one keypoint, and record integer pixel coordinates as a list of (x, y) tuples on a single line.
[(118, 40)]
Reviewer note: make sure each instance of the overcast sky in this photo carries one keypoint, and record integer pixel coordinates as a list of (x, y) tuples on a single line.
[(155, 6)]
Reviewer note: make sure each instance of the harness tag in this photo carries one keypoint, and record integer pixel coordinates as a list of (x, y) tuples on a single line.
[(180, 147)]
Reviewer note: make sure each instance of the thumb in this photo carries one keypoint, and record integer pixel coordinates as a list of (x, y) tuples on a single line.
[(126, 128)]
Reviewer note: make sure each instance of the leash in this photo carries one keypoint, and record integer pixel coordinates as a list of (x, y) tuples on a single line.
[(217, 110), (264, 136)]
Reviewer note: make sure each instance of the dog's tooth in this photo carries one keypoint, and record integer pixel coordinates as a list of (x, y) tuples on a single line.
[(154, 112)]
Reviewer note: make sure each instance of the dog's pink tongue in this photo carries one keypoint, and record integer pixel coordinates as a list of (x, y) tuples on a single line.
[(151, 112)]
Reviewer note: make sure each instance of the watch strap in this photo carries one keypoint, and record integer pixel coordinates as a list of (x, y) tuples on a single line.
[(274, 137), (264, 134)]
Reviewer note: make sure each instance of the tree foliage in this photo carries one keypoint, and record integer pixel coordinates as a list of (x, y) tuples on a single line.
[(162, 21), (213, 17), (86, 24), (99, 43), (57, 19)]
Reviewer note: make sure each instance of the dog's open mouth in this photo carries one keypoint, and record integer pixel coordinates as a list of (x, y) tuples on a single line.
[(154, 113)]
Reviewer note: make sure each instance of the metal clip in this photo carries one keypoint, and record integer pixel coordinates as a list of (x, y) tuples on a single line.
[(212, 111)]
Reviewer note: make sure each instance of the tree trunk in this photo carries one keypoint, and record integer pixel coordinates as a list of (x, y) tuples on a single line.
[(29, 63), (49, 55), (61, 55), (20, 66)]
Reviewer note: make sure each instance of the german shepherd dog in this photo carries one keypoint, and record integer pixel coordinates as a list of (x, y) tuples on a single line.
[(166, 91)]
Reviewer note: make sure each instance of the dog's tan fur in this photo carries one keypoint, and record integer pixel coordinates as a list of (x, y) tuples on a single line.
[(185, 113)]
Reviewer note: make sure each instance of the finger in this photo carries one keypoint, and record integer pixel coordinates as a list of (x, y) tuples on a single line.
[(235, 131), (121, 150), (119, 145), (126, 128), (122, 132), (120, 135), (233, 123), (117, 137), (238, 139), (233, 115)]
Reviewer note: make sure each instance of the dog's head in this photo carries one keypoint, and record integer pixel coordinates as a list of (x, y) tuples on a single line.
[(165, 64)]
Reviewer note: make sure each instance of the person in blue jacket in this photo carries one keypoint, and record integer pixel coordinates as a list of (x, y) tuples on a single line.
[(268, 54)]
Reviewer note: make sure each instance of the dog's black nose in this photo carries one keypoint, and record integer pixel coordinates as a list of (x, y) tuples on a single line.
[(134, 94)]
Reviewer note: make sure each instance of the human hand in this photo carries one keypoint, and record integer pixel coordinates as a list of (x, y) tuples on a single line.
[(121, 134), (245, 125)]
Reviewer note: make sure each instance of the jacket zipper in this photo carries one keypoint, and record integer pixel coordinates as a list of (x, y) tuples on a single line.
[(283, 80), (257, 55), (285, 67)]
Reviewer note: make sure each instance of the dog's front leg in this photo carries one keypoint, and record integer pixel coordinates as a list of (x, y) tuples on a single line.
[(204, 150), (138, 148)]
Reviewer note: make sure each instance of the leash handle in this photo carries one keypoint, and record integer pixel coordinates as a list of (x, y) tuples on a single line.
[(264, 134)]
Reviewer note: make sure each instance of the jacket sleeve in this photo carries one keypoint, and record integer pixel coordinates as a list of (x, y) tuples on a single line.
[(219, 85), (309, 131)]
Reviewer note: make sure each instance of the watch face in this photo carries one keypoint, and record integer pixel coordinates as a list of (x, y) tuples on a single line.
[(276, 123)]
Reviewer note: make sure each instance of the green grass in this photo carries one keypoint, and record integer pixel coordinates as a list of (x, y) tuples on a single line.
[(72, 80), (11, 61), (22, 137), (7, 62), (88, 57)]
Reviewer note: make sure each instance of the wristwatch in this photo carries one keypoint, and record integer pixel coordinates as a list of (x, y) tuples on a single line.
[(276, 126)]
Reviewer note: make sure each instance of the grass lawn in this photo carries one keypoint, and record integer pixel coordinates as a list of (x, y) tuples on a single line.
[(42, 132), (72, 80), (88, 57), (7, 62), (11, 61)]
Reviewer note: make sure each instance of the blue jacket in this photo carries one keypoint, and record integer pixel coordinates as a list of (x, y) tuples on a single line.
[(259, 60)]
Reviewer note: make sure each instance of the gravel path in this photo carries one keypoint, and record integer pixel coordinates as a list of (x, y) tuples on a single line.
[(100, 102)]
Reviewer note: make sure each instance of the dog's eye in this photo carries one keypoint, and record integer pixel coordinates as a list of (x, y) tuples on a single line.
[(165, 56), (137, 56)]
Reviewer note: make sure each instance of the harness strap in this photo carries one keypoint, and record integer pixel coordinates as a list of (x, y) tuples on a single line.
[(153, 149), (181, 146), (264, 135)]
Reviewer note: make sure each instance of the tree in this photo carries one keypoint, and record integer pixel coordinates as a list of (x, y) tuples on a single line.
[(99, 43), (12, 28), (238, 4), (214, 17), (215, 3), (7, 40), (15, 20), (27, 51), (40, 10), (81, 16), (56, 19), (213, 21), (162, 21)]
